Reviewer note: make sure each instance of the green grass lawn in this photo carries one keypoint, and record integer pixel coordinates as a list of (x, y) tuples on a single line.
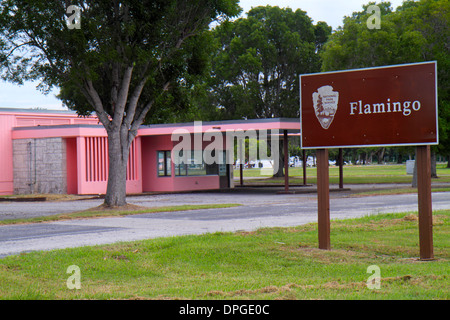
[(102, 213), (352, 175), (270, 263)]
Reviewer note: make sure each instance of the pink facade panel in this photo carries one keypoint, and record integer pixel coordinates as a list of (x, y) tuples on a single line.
[(71, 149), (10, 118), (92, 166), (7, 122), (196, 183), (86, 147), (224, 126), (152, 182)]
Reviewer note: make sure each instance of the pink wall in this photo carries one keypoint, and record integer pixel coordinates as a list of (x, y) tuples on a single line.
[(87, 152), (71, 147), (87, 160), (10, 118), (7, 122), (150, 180), (224, 126), (88, 156)]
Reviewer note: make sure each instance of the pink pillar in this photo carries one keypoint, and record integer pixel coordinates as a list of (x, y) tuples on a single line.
[(81, 164)]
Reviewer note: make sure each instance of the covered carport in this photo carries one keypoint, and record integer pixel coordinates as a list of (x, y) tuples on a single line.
[(286, 128)]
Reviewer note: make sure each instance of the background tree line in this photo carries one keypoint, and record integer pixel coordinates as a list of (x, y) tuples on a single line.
[(254, 63), (156, 61)]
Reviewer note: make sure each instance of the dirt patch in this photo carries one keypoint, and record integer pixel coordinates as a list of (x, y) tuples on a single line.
[(411, 217)]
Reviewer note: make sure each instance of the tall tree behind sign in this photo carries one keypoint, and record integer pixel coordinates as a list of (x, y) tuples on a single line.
[(257, 61), (416, 31)]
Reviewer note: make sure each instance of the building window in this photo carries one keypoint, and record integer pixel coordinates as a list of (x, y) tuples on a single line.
[(180, 165), (193, 164), (164, 164)]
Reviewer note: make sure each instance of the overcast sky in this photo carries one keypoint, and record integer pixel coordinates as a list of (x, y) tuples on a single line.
[(330, 11)]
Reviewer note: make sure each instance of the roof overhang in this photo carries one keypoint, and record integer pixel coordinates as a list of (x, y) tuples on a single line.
[(274, 125)]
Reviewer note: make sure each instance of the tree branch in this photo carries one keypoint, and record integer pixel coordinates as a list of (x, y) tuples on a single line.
[(92, 96), (132, 104), (140, 118), (122, 97)]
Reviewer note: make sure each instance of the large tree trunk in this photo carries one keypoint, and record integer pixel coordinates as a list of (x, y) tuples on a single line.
[(433, 165), (380, 154), (118, 151)]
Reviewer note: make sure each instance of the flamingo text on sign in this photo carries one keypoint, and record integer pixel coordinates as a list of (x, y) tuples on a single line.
[(404, 108)]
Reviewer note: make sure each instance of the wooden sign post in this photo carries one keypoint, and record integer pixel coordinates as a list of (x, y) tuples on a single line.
[(424, 201), (323, 199), (383, 106)]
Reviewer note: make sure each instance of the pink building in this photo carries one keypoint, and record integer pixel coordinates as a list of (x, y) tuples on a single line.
[(59, 152)]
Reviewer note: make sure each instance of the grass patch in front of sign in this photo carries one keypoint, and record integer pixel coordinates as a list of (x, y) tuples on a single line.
[(269, 263), (394, 191)]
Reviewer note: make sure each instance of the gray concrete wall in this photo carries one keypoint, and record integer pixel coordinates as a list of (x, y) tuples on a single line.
[(40, 166)]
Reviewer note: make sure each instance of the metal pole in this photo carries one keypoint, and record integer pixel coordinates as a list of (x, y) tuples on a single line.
[(286, 162), (304, 167), (424, 202), (323, 199), (341, 169), (241, 166)]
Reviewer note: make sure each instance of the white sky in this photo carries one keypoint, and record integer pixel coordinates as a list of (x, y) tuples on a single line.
[(330, 11)]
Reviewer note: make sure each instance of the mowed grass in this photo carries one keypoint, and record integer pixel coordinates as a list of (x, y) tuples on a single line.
[(99, 212), (270, 263), (353, 174)]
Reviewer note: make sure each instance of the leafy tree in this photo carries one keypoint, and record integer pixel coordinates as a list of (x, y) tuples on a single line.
[(257, 62), (416, 31), (127, 58)]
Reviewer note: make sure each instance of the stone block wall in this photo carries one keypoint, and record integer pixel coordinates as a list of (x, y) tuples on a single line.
[(40, 166)]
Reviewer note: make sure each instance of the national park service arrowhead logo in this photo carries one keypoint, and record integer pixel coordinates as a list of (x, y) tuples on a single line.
[(325, 102)]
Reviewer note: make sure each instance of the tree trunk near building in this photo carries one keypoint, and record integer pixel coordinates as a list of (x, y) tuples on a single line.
[(118, 151)]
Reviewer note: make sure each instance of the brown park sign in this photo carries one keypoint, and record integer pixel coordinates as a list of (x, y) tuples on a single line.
[(383, 106)]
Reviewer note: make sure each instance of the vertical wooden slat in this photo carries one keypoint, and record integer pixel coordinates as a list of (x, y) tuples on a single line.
[(107, 157), (102, 157), (95, 164), (286, 161), (88, 154), (91, 160), (100, 153), (134, 160)]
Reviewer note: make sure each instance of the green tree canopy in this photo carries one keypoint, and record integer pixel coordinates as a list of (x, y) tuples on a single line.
[(125, 59), (417, 31), (257, 62)]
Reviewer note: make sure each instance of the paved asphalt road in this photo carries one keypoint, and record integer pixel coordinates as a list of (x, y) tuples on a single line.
[(258, 210)]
